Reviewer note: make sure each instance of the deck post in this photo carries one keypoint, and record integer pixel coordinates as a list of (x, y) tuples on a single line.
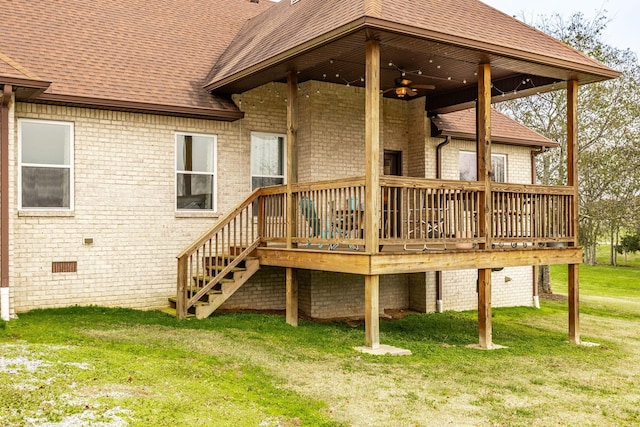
[(483, 150), (574, 304), (371, 310), (181, 294), (572, 181), (484, 308), (372, 146), (292, 296), (292, 177), (372, 188)]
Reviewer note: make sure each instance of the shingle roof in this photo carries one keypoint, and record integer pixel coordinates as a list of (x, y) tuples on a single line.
[(462, 124), (467, 23), (146, 52)]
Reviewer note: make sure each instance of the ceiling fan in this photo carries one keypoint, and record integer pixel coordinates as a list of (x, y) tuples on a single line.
[(403, 87)]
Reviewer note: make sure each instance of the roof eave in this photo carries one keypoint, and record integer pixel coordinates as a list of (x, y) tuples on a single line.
[(140, 107), (377, 24), (344, 30), (30, 88), (380, 24), (497, 139)]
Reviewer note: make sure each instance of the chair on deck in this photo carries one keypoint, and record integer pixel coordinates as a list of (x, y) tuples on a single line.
[(326, 231)]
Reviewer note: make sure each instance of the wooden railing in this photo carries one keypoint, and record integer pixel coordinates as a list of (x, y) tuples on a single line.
[(216, 253), (528, 213), (428, 211), (415, 213), (325, 213)]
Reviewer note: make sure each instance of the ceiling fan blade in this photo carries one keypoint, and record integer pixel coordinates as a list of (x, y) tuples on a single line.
[(389, 90), (412, 92), (430, 87)]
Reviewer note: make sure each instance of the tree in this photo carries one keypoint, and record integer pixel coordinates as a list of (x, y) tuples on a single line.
[(609, 128)]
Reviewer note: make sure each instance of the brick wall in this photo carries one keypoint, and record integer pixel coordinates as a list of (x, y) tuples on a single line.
[(125, 201)]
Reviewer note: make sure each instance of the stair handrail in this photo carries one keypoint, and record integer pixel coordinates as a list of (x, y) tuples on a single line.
[(182, 302)]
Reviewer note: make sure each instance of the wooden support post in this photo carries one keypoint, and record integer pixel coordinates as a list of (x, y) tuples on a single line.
[(292, 148), (483, 150), (484, 308), (572, 181), (372, 146), (181, 294), (574, 304), (572, 153), (292, 296), (291, 278), (371, 310)]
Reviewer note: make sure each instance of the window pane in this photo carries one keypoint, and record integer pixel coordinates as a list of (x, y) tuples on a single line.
[(267, 155), (195, 153), (195, 191), (258, 181), (45, 187), (498, 165), (46, 143), (467, 162)]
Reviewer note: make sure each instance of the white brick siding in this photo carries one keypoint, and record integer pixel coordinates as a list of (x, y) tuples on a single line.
[(125, 201)]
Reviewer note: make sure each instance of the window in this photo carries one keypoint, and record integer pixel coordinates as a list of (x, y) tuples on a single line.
[(468, 170), (267, 159), (45, 164), (195, 172)]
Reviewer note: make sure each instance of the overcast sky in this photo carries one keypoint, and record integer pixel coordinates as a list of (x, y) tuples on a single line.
[(623, 30)]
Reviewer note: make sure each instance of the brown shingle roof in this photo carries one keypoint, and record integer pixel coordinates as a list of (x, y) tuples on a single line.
[(145, 52), (462, 125), (467, 23)]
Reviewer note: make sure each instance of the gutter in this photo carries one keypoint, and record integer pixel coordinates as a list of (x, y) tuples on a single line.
[(7, 93), (439, 278)]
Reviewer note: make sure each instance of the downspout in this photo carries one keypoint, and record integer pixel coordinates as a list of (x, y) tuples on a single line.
[(439, 279), (4, 202), (534, 178)]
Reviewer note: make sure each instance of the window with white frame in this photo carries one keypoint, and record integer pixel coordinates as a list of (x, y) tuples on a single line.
[(45, 164), (195, 172), (468, 166), (267, 159)]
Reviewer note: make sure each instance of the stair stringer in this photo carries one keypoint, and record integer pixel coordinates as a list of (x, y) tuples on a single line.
[(228, 289)]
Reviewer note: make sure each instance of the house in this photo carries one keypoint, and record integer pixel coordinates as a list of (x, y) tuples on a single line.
[(258, 143)]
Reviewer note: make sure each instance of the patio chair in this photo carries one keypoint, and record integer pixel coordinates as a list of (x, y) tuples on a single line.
[(321, 228)]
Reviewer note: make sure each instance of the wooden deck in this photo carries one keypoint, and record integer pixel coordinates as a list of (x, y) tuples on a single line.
[(397, 260)]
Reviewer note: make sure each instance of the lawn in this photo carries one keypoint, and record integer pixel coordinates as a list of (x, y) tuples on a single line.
[(117, 367)]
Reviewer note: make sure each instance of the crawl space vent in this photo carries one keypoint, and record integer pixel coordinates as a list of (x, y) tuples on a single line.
[(64, 267)]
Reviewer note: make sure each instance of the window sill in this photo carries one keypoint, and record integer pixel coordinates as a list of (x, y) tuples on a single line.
[(48, 214), (197, 214)]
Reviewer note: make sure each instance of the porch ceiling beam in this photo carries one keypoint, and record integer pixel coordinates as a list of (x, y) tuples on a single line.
[(503, 90)]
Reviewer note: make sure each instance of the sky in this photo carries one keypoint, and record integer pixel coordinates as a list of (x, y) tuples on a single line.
[(623, 30)]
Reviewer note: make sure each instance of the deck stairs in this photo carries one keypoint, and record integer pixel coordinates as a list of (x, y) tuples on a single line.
[(212, 299)]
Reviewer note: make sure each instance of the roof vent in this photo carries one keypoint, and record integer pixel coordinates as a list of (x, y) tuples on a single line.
[(294, 1)]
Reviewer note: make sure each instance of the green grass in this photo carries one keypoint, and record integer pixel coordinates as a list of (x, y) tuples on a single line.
[(603, 257), (111, 367)]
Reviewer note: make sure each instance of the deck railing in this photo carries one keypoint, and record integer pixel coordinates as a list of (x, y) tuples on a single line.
[(216, 253), (425, 212), (415, 213)]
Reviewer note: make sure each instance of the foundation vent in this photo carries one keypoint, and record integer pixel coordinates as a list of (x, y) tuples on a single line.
[(64, 267)]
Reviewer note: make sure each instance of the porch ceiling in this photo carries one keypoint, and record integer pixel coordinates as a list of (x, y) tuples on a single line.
[(451, 69)]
